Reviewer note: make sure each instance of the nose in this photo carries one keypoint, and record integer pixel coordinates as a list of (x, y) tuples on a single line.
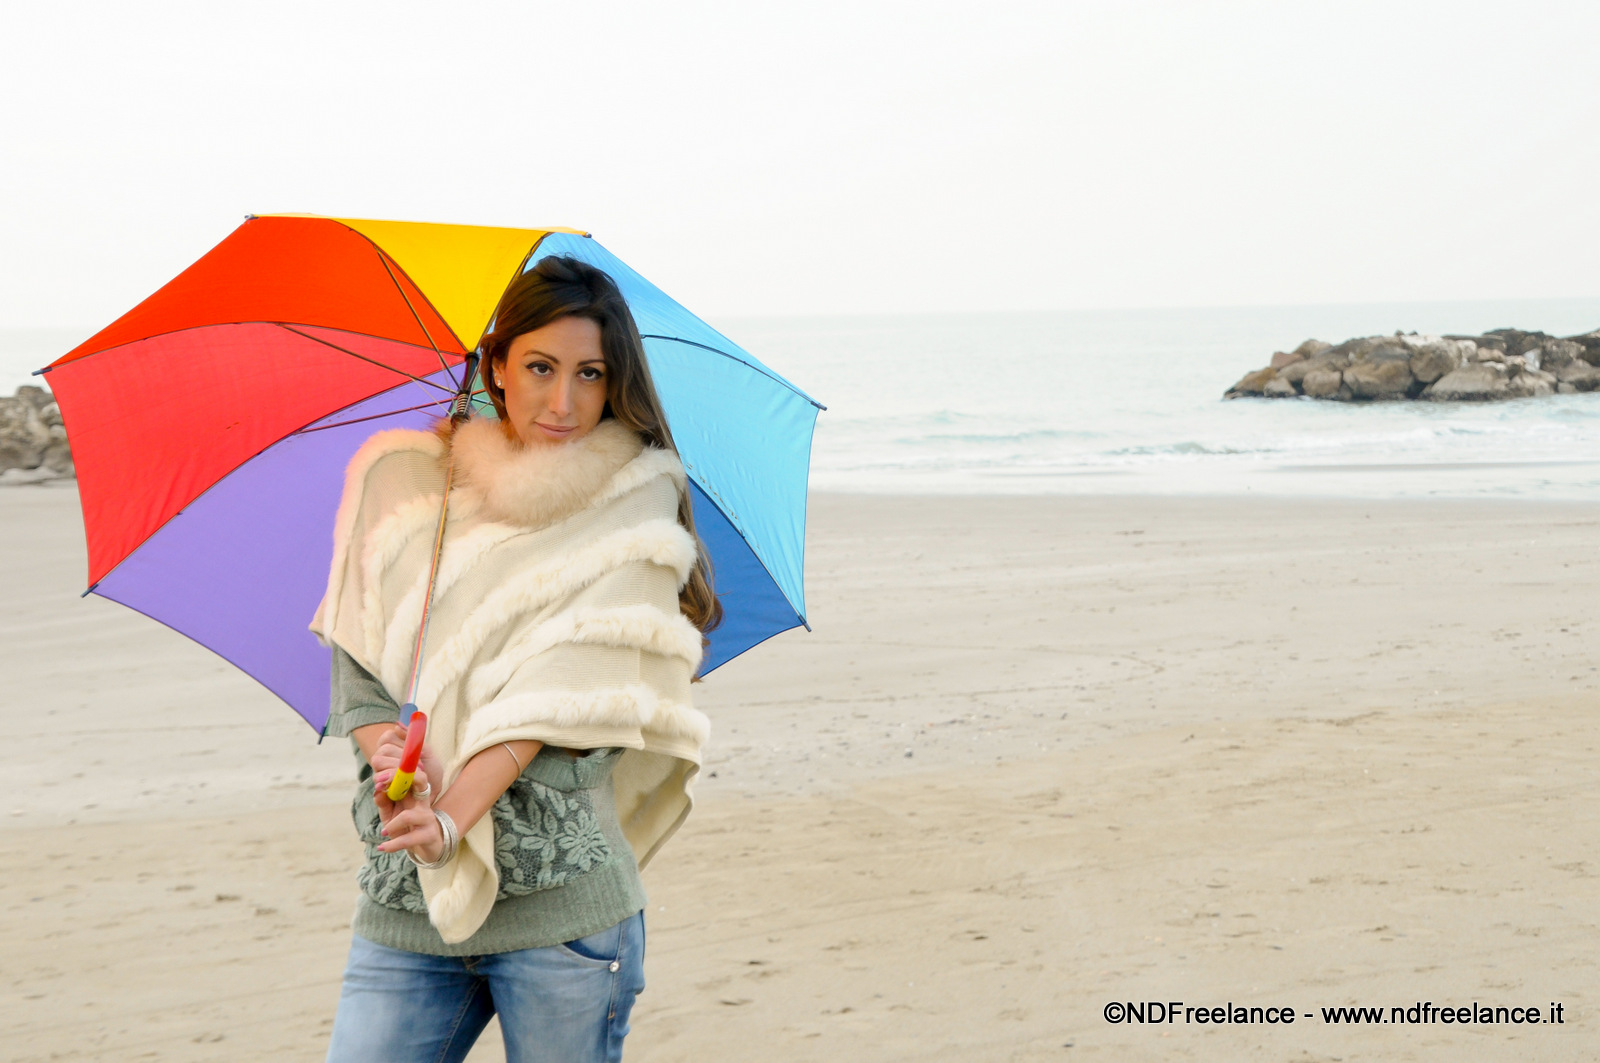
[(561, 396)]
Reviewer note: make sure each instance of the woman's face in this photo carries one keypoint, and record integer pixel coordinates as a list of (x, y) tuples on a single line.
[(555, 382)]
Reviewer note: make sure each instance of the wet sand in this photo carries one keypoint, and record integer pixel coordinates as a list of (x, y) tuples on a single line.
[(1038, 755)]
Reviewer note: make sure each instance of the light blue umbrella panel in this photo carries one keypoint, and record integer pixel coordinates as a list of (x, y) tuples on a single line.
[(744, 434)]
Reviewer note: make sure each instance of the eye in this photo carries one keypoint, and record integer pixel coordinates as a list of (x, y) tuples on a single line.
[(592, 373), (540, 368)]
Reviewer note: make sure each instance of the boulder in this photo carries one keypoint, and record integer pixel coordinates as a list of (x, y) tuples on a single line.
[(1488, 340), (1279, 389), (1357, 349), (1533, 341), (23, 434), (1382, 372), (1322, 383), (1312, 348), (1590, 342), (1382, 349), (1283, 358), (19, 477), (1433, 360), (1479, 382), (1251, 384), (1296, 373), (1517, 341), (58, 459), (1580, 376), (35, 396), (1557, 354), (1528, 383), (1529, 386)]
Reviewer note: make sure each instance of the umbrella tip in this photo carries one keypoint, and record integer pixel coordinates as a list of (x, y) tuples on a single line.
[(41, 372), (250, 217), (90, 591)]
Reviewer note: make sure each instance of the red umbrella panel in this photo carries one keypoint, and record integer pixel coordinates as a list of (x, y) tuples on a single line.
[(284, 322)]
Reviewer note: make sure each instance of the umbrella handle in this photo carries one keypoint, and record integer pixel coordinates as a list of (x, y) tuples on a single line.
[(416, 732)]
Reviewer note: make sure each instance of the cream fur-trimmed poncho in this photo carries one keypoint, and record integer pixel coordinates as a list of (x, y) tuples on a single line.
[(555, 616)]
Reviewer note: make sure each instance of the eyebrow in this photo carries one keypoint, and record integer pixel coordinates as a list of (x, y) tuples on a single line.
[(556, 358)]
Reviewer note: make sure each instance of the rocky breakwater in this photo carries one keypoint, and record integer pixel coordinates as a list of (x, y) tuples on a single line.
[(1503, 364), (33, 441)]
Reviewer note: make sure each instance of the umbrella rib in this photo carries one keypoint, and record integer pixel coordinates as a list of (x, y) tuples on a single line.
[(763, 370), (372, 417), (384, 259), (376, 416), (364, 358)]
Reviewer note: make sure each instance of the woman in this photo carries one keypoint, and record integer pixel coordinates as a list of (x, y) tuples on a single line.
[(566, 624)]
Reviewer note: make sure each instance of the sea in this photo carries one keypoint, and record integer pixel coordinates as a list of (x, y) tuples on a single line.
[(1130, 401)]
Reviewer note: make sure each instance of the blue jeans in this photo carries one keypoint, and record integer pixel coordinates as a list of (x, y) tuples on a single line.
[(563, 1004)]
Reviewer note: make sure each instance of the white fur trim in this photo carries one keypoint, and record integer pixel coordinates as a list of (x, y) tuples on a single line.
[(631, 706), (459, 556), (462, 555), (378, 445), (536, 486), (661, 541), (651, 462), (461, 893), (383, 547), (640, 627)]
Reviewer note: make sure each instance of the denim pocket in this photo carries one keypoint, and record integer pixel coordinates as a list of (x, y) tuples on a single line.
[(601, 947)]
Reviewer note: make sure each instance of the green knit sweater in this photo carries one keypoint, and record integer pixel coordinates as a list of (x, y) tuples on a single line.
[(566, 871)]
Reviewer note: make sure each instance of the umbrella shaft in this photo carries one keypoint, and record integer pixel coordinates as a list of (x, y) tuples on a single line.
[(459, 412), (433, 573)]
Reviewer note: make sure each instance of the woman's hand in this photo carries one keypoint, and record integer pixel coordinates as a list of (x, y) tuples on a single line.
[(430, 767), (411, 824), (385, 760), (420, 795)]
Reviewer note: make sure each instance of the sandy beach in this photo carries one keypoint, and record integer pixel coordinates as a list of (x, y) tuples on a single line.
[(1039, 754)]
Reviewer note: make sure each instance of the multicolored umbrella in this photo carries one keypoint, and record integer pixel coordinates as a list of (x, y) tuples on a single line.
[(211, 425)]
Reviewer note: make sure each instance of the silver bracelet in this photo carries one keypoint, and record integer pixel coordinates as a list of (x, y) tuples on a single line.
[(452, 842)]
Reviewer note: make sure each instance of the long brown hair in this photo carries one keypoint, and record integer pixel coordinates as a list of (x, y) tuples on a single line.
[(558, 287)]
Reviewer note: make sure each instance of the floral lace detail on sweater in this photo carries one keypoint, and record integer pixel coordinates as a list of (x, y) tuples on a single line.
[(544, 836), (388, 878)]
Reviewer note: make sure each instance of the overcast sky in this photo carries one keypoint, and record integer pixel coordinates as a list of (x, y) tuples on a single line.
[(826, 157)]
